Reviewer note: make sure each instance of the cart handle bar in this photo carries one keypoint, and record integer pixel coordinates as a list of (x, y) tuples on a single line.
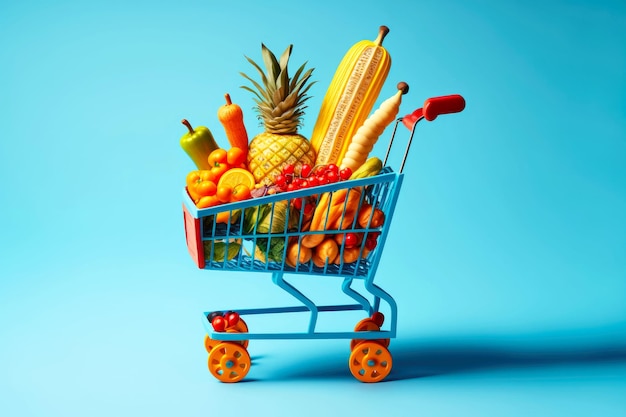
[(433, 107)]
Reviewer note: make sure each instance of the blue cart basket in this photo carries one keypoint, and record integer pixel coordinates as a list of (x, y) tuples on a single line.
[(269, 234)]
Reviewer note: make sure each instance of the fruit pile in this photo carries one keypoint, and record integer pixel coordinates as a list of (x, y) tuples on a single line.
[(281, 160)]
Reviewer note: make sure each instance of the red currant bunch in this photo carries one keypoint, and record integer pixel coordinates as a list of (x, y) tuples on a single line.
[(289, 180)]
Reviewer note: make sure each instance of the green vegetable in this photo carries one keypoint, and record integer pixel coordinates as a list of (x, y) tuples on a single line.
[(276, 249), (219, 250), (198, 144), (262, 220)]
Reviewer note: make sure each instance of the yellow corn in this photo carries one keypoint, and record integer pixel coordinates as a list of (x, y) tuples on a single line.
[(350, 98)]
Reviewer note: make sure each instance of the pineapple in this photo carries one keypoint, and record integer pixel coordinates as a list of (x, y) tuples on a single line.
[(280, 106)]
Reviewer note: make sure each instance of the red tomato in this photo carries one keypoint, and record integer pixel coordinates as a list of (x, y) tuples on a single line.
[(233, 319), (218, 156), (370, 243), (240, 192), (205, 188), (235, 156), (219, 324), (351, 240), (224, 193)]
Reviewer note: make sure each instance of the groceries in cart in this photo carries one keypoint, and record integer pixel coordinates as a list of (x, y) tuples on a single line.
[(284, 204), (308, 230)]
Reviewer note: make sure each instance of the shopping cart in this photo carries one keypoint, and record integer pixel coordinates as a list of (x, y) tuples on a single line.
[(268, 234)]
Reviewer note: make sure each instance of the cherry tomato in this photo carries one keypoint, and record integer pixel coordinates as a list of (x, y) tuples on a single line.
[(206, 188), (351, 240), (235, 156), (218, 156), (218, 160), (218, 170), (224, 193), (192, 178), (370, 244), (333, 168), (207, 201), (219, 324), (345, 173), (240, 192), (232, 318), (212, 315)]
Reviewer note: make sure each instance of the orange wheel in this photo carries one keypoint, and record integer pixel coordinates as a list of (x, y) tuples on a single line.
[(229, 362), (370, 362), (209, 343), (367, 325), (240, 327)]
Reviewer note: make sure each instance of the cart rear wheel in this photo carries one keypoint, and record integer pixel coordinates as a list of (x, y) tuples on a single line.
[(229, 362), (370, 362), (367, 325)]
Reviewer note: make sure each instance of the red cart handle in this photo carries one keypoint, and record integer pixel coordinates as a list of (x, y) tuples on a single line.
[(433, 107)]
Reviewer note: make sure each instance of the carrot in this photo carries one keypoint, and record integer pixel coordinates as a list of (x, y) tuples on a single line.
[(231, 117)]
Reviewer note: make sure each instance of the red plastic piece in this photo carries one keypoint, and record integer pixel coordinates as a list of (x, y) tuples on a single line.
[(194, 240), (435, 106), (410, 119), (378, 318)]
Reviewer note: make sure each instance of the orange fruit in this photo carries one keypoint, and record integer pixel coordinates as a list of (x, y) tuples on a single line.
[(240, 192), (235, 156), (236, 176), (206, 188), (224, 193), (207, 201)]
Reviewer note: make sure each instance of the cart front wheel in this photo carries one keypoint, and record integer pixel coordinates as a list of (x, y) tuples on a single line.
[(240, 327), (209, 343), (370, 362), (229, 362)]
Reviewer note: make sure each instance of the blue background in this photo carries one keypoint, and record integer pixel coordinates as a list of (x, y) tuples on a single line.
[(506, 256)]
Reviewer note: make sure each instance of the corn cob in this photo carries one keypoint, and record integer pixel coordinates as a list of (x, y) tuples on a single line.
[(350, 98), (366, 136)]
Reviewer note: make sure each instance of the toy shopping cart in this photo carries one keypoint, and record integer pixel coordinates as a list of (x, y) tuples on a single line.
[(338, 229)]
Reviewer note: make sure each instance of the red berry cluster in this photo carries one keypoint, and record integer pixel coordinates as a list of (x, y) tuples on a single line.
[(352, 239), (310, 176), (289, 180), (221, 321), (372, 240)]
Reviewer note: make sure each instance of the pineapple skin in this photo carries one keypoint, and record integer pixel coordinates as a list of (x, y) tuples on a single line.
[(269, 152)]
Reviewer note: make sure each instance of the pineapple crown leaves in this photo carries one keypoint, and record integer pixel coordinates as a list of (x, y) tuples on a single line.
[(279, 98)]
